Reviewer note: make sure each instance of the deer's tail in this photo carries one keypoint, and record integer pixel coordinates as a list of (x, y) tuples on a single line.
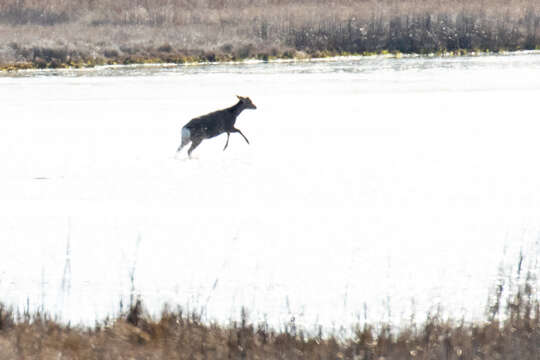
[(186, 138)]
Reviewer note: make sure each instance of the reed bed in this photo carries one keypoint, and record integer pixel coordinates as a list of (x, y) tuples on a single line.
[(57, 33)]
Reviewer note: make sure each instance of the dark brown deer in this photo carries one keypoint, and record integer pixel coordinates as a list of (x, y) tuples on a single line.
[(213, 124)]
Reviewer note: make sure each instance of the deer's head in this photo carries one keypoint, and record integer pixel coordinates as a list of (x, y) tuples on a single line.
[(246, 102)]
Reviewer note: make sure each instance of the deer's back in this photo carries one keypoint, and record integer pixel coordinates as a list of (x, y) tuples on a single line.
[(211, 124)]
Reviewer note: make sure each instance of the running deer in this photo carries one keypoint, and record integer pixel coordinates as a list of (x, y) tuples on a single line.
[(213, 124)]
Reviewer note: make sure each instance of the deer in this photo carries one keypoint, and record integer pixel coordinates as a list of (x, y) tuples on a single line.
[(214, 124)]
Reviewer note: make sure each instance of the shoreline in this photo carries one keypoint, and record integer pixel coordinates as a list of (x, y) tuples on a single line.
[(162, 63)]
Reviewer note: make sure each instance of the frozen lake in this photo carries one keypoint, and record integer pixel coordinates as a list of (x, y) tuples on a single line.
[(372, 189)]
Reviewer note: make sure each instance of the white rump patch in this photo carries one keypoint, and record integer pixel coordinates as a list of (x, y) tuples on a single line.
[(186, 135)]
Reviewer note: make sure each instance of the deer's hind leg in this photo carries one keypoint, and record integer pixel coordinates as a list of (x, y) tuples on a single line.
[(194, 143)]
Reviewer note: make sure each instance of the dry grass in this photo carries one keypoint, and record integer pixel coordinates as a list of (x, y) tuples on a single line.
[(177, 335), (85, 32)]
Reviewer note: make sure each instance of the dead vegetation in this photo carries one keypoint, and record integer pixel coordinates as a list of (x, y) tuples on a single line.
[(511, 331), (57, 33)]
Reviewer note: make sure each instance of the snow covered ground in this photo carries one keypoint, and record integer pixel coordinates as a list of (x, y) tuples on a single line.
[(386, 185)]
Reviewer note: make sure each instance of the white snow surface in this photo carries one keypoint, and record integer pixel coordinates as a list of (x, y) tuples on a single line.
[(373, 188)]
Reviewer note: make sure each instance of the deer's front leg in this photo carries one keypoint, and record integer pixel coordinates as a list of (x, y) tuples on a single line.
[(245, 138), (227, 143)]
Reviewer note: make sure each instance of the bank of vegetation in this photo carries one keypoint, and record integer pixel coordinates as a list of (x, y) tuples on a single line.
[(511, 330), (60, 33)]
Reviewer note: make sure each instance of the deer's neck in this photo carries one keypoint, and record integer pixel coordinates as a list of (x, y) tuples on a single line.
[(237, 109)]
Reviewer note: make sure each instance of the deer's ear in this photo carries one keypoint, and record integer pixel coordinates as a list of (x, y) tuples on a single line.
[(239, 97)]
